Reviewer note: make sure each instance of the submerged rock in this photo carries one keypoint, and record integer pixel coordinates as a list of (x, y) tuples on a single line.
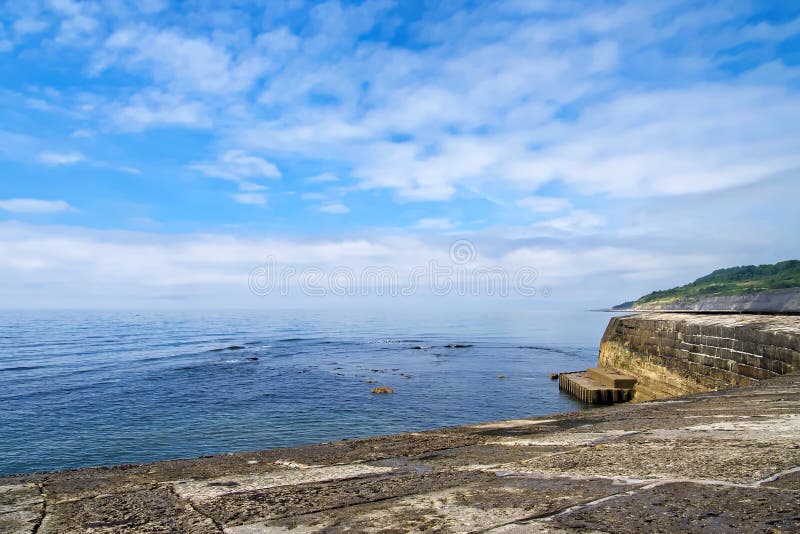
[(252, 358), (501, 377), (235, 347), (458, 345), (382, 390)]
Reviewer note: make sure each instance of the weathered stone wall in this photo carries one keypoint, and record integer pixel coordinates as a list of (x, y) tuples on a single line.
[(674, 354)]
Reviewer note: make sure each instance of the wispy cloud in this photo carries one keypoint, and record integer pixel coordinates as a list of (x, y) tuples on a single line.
[(155, 108), (194, 64), (34, 205), (435, 223), (28, 26), (575, 222), (325, 177), (238, 165), (544, 204), (334, 208), (60, 158), (253, 199), (244, 169)]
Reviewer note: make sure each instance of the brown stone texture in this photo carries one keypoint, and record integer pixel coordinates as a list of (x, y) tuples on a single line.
[(673, 354)]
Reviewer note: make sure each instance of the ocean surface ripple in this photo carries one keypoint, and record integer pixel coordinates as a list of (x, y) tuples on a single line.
[(97, 388)]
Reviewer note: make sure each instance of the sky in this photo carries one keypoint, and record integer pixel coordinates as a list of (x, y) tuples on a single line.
[(168, 154)]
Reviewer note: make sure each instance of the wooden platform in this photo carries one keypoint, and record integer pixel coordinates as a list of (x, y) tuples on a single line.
[(598, 385)]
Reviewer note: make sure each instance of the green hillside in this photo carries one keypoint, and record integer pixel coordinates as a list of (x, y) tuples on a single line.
[(731, 281)]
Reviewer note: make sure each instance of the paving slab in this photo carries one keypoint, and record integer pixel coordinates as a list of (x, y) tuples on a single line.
[(689, 507)]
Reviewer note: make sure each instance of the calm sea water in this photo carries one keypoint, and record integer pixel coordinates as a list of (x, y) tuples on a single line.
[(95, 388)]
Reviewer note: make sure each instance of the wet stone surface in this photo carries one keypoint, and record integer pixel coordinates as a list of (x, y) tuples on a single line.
[(727, 461)]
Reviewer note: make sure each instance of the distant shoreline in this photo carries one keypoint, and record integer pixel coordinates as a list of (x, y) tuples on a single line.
[(716, 312)]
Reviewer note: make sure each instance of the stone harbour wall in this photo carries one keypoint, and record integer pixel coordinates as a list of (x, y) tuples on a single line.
[(674, 354)]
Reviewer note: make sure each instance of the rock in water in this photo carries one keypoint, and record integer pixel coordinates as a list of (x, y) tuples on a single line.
[(553, 376), (382, 390)]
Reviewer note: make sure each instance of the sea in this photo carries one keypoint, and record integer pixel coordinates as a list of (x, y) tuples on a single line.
[(89, 388)]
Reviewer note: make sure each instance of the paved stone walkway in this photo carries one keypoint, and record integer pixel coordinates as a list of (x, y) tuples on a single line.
[(716, 462)]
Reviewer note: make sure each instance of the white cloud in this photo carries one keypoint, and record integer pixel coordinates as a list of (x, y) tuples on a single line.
[(73, 266), (60, 158), (544, 204), (193, 64), (28, 26), (155, 108), (334, 208), (238, 165), (325, 177), (243, 168), (78, 25), (435, 223), (34, 205), (575, 222), (673, 142), (6, 45), (255, 199), (313, 196)]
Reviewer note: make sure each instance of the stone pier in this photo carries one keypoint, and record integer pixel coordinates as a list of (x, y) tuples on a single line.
[(674, 354)]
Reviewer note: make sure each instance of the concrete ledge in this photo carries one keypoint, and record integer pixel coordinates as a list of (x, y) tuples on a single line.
[(611, 377), (722, 461), (584, 387)]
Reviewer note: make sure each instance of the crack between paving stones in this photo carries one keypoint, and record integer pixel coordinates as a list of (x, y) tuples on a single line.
[(217, 524), (38, 524), (654, 484), (340, 506)]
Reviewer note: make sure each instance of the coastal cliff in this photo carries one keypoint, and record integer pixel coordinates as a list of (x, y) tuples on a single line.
[(776, 301), (745, 289), (674, 354)]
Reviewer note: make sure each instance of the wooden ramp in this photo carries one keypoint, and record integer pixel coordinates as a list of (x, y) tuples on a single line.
[(598, 385)]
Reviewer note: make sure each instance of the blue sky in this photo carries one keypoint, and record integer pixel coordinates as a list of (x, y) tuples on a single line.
[(152, 153)]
